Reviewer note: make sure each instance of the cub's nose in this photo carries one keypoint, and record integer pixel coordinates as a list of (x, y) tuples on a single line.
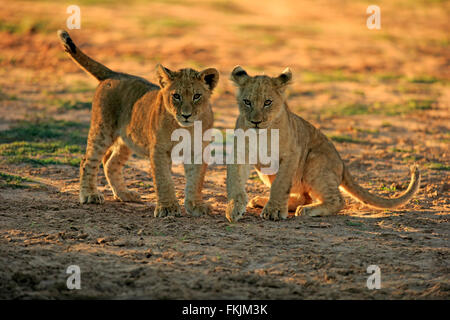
[(186, 116), (256, 122)]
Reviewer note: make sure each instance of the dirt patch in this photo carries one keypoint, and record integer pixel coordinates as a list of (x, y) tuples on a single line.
[(382, 96)]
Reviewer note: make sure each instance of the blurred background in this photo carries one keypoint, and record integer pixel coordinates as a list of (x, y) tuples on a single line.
[(340, 66), (382, 96), (385, 88)]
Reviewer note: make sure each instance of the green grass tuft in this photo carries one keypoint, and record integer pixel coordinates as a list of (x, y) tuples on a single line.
[(350, 109), (353, 223), (167, 26), (5, 96), (423, 79), (43, 142), (46, 129), (66, 105), (41, 153), (388, 77), (12, 181), (392, 188), (368, 131), (438, 166), (410, 159), (331, 76), (393, 149), (37, 148), (226, 6), (345, 139), (389, 109), (27, 25)]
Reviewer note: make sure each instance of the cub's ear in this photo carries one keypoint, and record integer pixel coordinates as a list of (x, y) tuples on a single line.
[(211, 77), (283, 79), (165, 76), (239, 76)]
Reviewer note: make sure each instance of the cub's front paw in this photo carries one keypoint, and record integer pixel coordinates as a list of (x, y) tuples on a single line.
[(197, 209), (274, 212), (162, 211), (128, 196), (93, 197), (235, 209)]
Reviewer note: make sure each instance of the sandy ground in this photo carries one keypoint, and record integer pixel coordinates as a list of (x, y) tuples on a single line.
[(399, 75)]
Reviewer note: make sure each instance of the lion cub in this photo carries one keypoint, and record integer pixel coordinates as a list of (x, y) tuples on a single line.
[(131, 114), (309, 165)]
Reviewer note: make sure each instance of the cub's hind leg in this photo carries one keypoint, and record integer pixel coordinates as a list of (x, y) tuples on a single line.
[(325, 188), (258, 202), (98, 143), (322, 177), (113, 163), (297, 197)]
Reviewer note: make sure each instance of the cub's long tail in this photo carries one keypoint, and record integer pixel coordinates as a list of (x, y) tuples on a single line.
[(94, 68), (362, 195)]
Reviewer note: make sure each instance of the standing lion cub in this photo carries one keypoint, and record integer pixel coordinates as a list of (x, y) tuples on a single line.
[(309, 165), (131, 114)]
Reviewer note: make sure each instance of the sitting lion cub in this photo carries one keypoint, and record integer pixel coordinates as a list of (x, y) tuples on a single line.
[(131, 114), (309, 165)]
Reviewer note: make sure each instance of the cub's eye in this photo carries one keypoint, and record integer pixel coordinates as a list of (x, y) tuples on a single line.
[(247, 102), (267, 103), (176, 96), (197, 96)]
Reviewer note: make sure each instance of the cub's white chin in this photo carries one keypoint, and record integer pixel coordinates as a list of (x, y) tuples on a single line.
[(186, 124)]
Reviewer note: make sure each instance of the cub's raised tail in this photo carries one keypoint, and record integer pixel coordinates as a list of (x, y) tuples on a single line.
[(94, 68), (362, 195)]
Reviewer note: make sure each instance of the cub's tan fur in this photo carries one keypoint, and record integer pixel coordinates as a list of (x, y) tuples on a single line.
[(131, 114), (309, 165)]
